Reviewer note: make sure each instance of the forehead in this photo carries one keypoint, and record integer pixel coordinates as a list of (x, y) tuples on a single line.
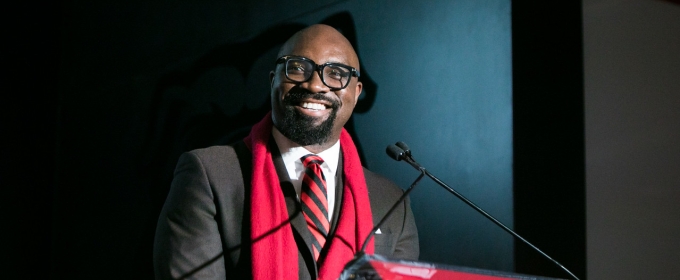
[(322, 47)]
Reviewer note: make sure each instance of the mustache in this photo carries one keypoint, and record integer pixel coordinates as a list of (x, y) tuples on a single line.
[(296, 95)]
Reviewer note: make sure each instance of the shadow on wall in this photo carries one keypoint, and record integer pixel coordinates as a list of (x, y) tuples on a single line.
[(177, 127)]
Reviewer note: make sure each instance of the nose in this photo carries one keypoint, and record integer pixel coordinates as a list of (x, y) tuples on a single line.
[(315, 84)]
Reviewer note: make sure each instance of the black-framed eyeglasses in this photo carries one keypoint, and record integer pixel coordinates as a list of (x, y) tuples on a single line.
[(334, 75)]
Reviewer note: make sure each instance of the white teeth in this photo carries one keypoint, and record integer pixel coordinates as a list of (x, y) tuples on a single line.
[(313, 106)]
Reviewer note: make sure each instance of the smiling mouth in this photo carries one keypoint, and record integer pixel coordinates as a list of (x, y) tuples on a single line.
[(309, 103), (313, 106)]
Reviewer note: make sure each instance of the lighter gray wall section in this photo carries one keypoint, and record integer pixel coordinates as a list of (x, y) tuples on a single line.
[(632, 107)]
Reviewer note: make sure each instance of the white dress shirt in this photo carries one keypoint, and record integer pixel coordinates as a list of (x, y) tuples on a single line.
[(291, 154)]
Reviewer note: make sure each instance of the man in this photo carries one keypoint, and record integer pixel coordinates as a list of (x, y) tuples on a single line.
[(291, 201)]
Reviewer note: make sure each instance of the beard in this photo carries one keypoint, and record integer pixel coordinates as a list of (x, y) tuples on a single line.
[(300, 128)]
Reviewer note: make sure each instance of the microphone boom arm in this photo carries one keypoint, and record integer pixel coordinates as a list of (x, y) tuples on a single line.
[(403, 196), (406, 156)]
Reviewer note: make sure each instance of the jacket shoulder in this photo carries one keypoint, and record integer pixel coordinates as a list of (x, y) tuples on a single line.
[(381, 186), (214, 153), (221, 164)]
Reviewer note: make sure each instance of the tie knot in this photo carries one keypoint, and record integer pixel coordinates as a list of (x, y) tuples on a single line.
[(311, 159)]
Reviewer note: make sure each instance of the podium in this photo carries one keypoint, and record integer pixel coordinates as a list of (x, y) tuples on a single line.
[(377, 267)]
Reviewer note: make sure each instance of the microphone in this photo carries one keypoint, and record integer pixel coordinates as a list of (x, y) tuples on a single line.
[(397, 154), (404, 147), (400, 151)]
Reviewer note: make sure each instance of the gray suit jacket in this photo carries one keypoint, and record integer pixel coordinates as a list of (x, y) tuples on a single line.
[(203, 229)]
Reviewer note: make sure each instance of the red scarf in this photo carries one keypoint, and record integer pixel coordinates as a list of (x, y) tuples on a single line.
[(274, 251)]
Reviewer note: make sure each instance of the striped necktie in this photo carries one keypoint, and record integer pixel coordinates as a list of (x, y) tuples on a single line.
[(314, 201)]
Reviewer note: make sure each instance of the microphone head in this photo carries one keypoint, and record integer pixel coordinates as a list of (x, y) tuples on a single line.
[(395, 152), (404, 147)]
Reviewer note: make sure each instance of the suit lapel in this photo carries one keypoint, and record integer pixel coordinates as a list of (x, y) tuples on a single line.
[(301, 233), (339, 187)]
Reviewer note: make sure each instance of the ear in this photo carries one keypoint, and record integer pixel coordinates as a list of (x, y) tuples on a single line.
[(271, 79), (357, 92)]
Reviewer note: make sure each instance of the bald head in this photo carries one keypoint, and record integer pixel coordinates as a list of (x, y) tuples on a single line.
[(321, 35)]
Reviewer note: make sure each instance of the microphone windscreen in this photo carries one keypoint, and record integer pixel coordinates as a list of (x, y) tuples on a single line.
[(395, 152), (403, 146)]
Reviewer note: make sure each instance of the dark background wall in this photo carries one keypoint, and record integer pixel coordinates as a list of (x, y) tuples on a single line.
[(30, 58), (141, 82)]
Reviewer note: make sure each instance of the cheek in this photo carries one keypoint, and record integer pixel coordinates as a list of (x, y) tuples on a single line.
[(276, 98), (281, 89), (277, 95), (278, 87), (348, 101)]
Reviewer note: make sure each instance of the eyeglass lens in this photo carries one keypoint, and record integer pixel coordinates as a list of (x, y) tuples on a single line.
[(334, 76)]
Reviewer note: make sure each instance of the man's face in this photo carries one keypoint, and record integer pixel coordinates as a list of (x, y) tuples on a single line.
[(311, 113)]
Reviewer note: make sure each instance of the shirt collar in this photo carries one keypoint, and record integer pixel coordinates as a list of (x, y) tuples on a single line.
[(291, 153)]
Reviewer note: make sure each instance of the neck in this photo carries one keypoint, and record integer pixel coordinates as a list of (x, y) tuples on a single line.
[(318, 148), (314, 148)]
